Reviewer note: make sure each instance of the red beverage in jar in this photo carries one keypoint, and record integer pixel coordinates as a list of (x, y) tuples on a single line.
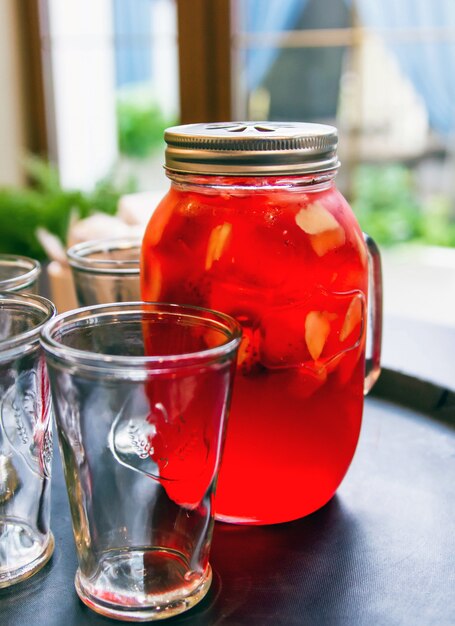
[(284, 255)]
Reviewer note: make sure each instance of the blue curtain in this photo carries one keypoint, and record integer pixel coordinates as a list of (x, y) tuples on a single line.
[(263, 17), (429, 64)]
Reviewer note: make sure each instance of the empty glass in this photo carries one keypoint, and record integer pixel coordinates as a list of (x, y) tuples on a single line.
[(141, 392), (26, 542), (19, 273), (106, 270)]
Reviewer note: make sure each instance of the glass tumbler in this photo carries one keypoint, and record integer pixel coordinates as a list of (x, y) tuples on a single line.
[(106, 270), (141, 392), (19, 273), (26, 542)]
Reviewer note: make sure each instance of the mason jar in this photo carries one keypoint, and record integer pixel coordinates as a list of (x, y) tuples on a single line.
[(254, 226)]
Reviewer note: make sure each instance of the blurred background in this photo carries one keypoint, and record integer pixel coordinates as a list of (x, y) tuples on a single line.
[(88, 87)]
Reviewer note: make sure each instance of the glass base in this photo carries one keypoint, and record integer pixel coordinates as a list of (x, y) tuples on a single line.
[(22, 551), (142, 584)]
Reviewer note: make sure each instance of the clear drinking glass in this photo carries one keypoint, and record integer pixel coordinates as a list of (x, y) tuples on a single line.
[(106, 270), (19, 273), (26, 542), (141, 392)]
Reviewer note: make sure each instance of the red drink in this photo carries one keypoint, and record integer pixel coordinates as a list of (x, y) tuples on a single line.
[(288, 261), (254, 226)]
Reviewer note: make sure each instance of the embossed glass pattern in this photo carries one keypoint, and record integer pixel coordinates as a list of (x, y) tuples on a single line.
[(26, 542), (141, 393)]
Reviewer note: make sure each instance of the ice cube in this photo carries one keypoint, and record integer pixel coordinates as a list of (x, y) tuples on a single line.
[(325, 232), (354, 317), (327, 241), (317, 329), (314, 219), (218, 241)]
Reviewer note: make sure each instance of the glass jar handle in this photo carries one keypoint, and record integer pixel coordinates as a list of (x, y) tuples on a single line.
[(374, 326)]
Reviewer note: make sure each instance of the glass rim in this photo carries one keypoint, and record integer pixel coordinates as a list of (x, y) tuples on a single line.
[(31, 267), (85, 316), (28, 302), (79, 255)]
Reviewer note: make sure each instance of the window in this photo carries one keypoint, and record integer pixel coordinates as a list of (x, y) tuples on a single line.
[(381, 72), (112, 85)]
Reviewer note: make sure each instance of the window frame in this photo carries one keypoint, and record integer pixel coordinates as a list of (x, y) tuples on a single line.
[(204, 28)]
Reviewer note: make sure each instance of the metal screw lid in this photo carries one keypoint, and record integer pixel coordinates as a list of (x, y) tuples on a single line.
[(251, 148)]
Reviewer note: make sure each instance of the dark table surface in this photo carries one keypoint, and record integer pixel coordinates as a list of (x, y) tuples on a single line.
[(381, 552)]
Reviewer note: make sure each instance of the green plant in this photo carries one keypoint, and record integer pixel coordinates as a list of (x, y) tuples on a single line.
[(437, 223), (389, 209), (45, 203), (141, 125)]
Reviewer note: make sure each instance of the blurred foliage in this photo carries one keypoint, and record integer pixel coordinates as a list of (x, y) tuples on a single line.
[(45, 203), (388, 207), (141, 125), (385, 201)]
